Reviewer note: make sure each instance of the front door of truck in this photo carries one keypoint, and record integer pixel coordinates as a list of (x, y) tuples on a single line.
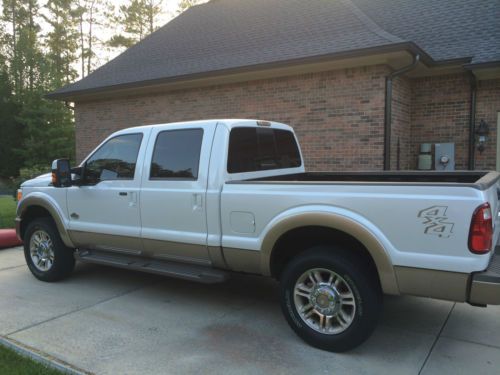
[(104, 211), (174, 184)]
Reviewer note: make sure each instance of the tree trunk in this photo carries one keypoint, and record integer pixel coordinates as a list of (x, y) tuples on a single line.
[(89, 51), (82, 44), (31, 60), (14, 46)]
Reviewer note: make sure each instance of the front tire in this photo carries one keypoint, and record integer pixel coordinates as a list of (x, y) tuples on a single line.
[(46, 255), (330, 299)]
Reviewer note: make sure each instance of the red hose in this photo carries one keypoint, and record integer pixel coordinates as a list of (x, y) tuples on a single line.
[(8, 238)]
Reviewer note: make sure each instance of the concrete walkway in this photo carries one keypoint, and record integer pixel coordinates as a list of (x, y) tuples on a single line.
[(110, 321)]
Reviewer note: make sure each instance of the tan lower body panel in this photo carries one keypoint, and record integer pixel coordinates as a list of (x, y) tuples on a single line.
[(176, 251), (451, 286), (240, 260), (485, 293), (217, 257), (164, 250), (108, 242)]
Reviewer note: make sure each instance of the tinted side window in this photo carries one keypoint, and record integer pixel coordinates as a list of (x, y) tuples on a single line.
[(114, 160), (258, 149), (177, 154)]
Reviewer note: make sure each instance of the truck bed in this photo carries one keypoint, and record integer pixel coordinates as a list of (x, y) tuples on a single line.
[(481, 180)]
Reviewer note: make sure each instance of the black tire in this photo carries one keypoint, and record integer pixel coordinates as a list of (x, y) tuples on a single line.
[(363, 284), (63, 259)]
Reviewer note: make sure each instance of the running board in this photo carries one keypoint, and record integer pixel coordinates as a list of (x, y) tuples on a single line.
[(205, 275)]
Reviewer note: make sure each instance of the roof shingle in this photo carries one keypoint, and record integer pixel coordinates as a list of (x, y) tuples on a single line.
[(228, 34)]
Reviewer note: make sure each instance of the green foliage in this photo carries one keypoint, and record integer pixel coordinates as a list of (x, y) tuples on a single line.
[(34, 130), (14, 364), (61, 41), (49, 130), (10, 128), (186, 4), (26, 174), (7, 214), (33, 62), (138, 18), (120, 40)]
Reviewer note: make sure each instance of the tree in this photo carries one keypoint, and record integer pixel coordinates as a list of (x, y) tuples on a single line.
[(10, 128), (49, 130), (35, 130), (61, 41), (186, 4), (91, 14), (138, 18), (23, 52)]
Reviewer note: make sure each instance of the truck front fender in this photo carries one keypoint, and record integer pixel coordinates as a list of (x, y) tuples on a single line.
[(320, 218), (47, 203)]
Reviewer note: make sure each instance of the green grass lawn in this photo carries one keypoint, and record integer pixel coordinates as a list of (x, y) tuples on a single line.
[(14, 364), (7, 212)]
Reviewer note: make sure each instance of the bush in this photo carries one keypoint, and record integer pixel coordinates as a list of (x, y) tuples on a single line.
[(26, 174)]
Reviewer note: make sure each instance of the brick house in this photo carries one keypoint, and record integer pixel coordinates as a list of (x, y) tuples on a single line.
[(363, 82)]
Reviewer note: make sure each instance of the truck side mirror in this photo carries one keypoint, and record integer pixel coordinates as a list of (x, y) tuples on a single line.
[(61, 173)]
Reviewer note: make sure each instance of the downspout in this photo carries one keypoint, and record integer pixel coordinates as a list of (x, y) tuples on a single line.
[(388, 109), (472, 120)]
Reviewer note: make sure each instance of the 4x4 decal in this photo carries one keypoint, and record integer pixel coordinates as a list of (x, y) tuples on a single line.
[(436, 222)]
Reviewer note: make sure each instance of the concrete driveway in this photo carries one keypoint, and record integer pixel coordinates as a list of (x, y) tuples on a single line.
[(111, 321)]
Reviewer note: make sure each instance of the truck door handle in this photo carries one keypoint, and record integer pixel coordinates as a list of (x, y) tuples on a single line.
[(123, 193)]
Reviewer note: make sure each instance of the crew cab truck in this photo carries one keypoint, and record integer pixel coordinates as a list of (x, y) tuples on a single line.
[(199, 200)]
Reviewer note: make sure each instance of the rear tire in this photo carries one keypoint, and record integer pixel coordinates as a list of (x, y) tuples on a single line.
[(46, 255), (330, 299)]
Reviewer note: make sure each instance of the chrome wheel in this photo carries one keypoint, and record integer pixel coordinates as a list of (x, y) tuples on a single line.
[(41, 250), (324, 301)]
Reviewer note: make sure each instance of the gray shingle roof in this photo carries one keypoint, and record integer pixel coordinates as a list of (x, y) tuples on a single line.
[(229, 34), (446, 29)]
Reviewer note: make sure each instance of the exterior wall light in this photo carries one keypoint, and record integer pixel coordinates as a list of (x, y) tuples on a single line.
[(482, 132)]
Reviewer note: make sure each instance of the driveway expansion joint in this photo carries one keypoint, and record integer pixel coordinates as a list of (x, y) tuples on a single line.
[(436, 339), (79, 309), (13, 267), (470, 342)]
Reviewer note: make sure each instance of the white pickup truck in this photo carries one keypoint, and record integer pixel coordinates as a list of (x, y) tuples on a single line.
[(199, 200)]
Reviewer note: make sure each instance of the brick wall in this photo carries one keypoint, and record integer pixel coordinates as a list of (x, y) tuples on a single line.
[(338, 115), (401, 122), (440, 113)]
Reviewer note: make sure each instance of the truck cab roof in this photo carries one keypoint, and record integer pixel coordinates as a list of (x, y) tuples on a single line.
[(228, 123)]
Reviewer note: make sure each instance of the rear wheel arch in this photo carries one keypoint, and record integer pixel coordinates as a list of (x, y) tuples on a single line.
[(299, 240), (295, 235)]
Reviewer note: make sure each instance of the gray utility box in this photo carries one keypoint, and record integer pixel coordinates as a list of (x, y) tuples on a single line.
[(444, 156)]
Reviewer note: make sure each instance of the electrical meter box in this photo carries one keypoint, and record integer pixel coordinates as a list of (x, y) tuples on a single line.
[(444, 156)]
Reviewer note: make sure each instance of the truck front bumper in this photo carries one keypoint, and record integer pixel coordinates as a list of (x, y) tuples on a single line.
[(485, 286)]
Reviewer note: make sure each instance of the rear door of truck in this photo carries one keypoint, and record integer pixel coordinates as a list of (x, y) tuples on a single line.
[(174, 183)]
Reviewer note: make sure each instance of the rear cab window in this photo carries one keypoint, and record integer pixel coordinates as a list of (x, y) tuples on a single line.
[(254, 149)]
